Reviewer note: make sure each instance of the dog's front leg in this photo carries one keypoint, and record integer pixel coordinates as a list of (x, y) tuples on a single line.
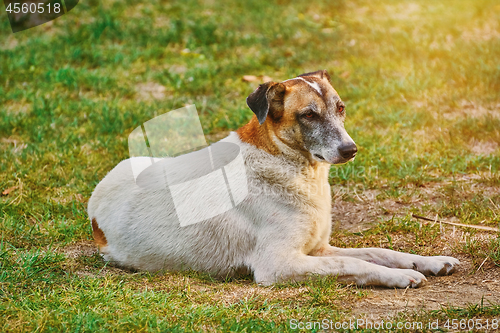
[(274, 267), (435, 265)]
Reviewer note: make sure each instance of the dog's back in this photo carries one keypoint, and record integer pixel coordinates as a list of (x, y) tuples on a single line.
[(141, 231)]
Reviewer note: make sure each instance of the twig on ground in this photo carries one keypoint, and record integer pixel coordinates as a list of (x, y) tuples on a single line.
[(482, 264), (480, 227)]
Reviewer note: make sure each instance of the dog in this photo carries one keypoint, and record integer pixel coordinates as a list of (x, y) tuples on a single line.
[(281, 230)]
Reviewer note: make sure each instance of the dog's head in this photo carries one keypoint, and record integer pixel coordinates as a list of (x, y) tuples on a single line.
[(306, 113)]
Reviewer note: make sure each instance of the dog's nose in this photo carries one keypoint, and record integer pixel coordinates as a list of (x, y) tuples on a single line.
[(348, 150)]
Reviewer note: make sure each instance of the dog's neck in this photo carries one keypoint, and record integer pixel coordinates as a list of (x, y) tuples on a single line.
[(263, 137)]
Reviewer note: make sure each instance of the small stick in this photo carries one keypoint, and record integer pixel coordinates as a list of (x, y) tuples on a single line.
[(481, 227), (482, 264)]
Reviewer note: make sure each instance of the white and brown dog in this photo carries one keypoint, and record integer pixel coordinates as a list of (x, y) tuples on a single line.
[(296, 134)]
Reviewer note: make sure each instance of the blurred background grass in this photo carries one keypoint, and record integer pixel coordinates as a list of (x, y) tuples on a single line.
[(421, 82)]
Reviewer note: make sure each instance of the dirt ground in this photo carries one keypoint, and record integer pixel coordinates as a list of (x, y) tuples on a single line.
[(365, 208), (458, 290), (465, 286), (468, 285)]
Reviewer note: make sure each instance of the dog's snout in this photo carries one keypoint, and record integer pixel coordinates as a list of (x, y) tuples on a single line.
[(348, 150)]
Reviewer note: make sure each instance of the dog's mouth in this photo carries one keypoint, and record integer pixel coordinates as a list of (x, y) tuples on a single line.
[(336, 161), (319, 157)]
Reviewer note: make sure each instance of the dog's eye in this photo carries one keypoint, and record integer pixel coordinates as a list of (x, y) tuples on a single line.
[(341, 108), (309, 115)]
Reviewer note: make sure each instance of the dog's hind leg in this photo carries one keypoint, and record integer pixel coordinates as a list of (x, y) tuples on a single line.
[(435, 265), (300, 266)]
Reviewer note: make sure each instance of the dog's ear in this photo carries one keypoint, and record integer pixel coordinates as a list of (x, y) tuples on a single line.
[(266, 100), (322, 74)]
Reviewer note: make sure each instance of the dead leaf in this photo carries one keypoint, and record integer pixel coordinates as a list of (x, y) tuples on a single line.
[(345, 74), (249, 78), (10, 189), (266, 79)]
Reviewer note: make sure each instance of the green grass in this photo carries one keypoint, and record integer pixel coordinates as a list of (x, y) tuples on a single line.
[(421, 84)]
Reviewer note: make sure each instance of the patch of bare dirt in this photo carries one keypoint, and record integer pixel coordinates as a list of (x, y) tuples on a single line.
[(16, 146), (483, 148), (10, 42), (468, 285), (459, 290), (488, 31), (18, 107), (78, 253), (235, 294), (85, 248), (404, 11), (365, 208), (151, 90), (470, 109)]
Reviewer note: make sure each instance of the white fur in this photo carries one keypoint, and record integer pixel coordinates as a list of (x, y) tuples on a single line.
[(280, 231), (313, 85)]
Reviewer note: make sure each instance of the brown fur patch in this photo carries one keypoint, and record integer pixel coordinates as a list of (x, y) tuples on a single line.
[(99, 237), (258, 135)]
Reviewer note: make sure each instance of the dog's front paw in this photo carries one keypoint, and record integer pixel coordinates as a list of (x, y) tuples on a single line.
[(438, 265), (396, 278), (403, 278)]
